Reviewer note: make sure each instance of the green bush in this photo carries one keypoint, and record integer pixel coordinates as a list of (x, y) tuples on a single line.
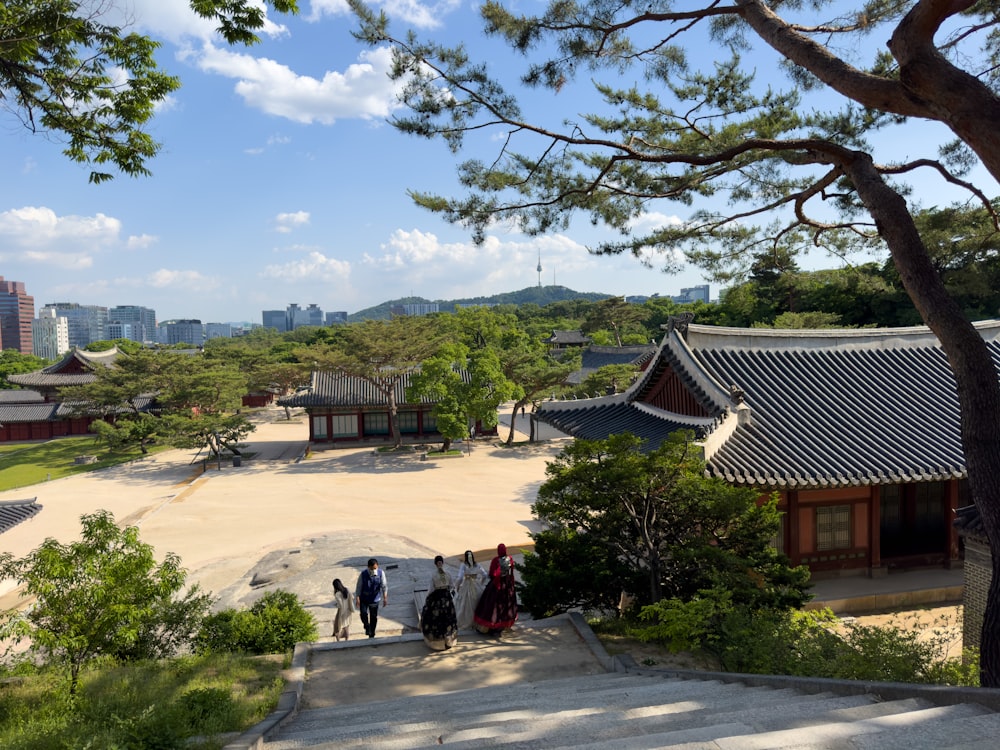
[(274, 624), (814, 643)]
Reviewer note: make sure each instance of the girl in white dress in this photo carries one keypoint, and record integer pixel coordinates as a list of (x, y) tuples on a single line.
[(344, 603), (471, 582)]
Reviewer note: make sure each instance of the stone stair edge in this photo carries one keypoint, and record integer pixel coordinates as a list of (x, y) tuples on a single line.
[(287, 707)]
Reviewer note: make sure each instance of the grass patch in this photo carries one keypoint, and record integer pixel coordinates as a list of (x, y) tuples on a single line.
[(188, 702), (24, 464)]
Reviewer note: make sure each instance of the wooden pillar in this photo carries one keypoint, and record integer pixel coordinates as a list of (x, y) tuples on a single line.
[(794, 553), (875, 528), (951, 534)]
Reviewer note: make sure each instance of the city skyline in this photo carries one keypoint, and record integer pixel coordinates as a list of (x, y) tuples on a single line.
[(279, 181)]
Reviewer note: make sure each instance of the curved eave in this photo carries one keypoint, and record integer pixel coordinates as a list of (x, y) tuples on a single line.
[(599, 418)]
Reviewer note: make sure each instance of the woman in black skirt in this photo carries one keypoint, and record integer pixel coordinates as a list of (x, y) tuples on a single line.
[(438, 621)]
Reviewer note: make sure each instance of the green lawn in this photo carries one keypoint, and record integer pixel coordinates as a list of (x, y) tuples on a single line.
[(24, 464)]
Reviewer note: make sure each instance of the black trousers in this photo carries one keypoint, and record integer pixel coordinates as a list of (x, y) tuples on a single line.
[(369, 618)]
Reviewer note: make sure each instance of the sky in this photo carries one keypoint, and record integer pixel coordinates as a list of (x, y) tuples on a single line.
[(281, 182)]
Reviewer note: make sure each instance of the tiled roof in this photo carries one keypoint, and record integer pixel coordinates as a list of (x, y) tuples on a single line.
[(561, 338), (338, 389), (599, 418), (596, 357), (43, 412), (819, 408), (20, 396), (78, 363), (12, 512)]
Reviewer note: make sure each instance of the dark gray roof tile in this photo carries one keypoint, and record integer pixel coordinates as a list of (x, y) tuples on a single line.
[(827, 408), (13, 512)]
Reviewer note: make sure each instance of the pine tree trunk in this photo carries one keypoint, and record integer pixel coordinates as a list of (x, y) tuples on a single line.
[(970, 360)]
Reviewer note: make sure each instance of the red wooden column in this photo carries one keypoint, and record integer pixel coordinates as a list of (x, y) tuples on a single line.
[(951, 505), (875, 528), (792, 525)]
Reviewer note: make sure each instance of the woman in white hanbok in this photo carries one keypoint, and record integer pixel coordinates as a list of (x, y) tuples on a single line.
[(471, 582)]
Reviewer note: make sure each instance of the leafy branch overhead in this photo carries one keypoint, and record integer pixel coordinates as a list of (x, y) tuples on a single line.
[(766, 122), (693, 133), (73, 72)]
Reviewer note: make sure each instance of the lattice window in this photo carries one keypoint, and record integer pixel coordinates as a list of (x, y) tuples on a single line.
[(833, 527), (345, 425)]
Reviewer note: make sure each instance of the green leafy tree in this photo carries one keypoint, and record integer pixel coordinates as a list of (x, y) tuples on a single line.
[(70, 71), (606, 380), (380, 352), (466, 386), (12, 362), (125, 345), (618, 316), (658, 524), (149, 395), (536, 374), (105, 595), (792, 169), (272, 625)]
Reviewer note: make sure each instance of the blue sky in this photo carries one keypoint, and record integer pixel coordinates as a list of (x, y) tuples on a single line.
[(279, 182)]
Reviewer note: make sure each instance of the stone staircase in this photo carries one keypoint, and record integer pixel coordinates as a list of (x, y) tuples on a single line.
[(647, 709)]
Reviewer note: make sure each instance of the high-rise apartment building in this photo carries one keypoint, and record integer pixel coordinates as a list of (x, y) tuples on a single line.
[(17, 310), (50, 334), (141, 321), (182, 332), (275, 319), (218, 331), (86, 322)]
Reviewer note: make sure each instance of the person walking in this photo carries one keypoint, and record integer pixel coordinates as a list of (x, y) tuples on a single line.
[(344, 602), (471, 580), (497, 607), (437, 618), (371, 591)]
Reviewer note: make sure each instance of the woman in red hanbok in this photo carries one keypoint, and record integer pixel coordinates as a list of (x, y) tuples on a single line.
[(497, 608)]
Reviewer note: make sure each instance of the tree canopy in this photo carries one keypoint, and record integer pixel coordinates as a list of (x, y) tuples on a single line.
[(105, 595), (651, 524), (72, 71), (769, 165)]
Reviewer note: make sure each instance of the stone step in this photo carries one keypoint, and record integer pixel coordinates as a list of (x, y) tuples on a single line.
[(535, 697), (635, 711), (577, 725)]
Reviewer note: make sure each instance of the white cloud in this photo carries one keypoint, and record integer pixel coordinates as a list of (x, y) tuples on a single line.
[(654, 220), (65, 261), (286, 222), (175, 21), (141, 241), (364, 90), (419, 260), (414, 13), (314, 267), (189, 281), (41, 227)]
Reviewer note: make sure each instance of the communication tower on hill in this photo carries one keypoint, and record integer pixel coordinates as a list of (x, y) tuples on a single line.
[(539, 269)]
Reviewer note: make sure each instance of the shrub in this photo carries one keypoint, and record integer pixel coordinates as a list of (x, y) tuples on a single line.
[(274, 624)]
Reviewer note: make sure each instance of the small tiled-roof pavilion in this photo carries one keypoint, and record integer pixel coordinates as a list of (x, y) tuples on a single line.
[(35, 412), (347, 409), (856, 430)]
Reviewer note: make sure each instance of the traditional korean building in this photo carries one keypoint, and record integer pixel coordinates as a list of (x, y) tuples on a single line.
[(348, 409), (594, 357), (36, 411), (75, 368), (857, 431)]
